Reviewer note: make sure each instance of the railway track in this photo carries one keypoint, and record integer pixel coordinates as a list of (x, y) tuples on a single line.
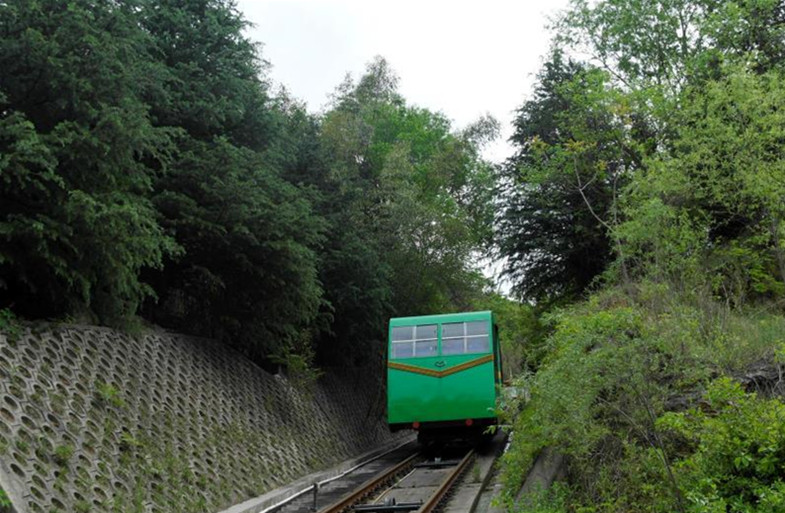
[(415, 485), (406, 481), (403, 479), (423, 490)]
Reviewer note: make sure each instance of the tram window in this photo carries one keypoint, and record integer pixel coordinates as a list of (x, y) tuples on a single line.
[(465, 337), (453, 329), (453, 346), (402, 350), (425, 332), (476, 328), (402, 333), (477, 340), (477, 344), (414, 341), (453, 338), (425, 348), (425, 341)]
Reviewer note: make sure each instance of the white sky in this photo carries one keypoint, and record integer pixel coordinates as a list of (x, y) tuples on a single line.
[(462, 58)]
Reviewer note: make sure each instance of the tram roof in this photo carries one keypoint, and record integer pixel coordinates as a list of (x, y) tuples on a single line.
[(442, 318)]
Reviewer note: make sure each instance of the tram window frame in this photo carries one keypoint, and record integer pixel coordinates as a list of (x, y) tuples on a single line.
[(468, 335), (414, 343)]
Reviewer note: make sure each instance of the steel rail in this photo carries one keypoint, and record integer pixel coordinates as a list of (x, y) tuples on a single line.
[(309, 489), (441, 492), (368, 487)]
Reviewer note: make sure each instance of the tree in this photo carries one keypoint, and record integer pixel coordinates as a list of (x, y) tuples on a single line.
[(667, 44), (78, 157), (575, 150), (714, 203), (248, 274), (702, 215), (408, 203), (209, 77)]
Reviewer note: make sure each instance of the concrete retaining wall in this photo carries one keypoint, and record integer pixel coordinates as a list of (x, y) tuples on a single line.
[(94, 420)]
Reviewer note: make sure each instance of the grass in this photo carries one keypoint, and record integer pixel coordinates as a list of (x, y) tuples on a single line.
[(476, 473), (5, 501), (109, 395), (62, 454)]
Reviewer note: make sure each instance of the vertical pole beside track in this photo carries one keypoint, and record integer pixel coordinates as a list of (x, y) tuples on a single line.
[(315, 495)]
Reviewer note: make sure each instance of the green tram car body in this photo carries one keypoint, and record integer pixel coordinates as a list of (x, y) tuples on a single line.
[(443, 374)]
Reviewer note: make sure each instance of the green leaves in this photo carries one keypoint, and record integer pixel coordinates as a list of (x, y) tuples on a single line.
[(672, 134), (408, 202), (78, 151), (558, 190), (141, 160), (739, 456), (248, 273), (715, 201)]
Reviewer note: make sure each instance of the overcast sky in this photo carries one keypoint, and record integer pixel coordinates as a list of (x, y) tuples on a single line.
[(464, 59)]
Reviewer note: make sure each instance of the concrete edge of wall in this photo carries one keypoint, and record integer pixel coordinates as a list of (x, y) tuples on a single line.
[(547, 468), (274, 497)]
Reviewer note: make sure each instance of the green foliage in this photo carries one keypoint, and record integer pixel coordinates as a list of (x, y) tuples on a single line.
[(522, 333), (145, 168), (129, 443), (595, 358), (616, 366), (62, 454), (141, 162), (551, 500), (691, 97), (299, 360), (574, 152), (249, 274), (736, 451), (208, 75), (408, 202), (5, 501), (673, 132), (109, 395), (9, 325), (713, 204), (79, 152), (666, 44)]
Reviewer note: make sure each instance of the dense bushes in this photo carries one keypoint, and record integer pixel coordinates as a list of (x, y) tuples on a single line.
[(736, 451), (79, 154), (621, 394)]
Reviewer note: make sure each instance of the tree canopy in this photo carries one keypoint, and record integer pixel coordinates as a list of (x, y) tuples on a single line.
[(148, 170), (408, 201)]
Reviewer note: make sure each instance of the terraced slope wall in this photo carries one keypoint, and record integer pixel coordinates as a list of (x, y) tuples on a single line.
[(93, 420)]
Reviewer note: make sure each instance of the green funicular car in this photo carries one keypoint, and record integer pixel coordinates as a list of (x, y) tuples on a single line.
[(443, 374)]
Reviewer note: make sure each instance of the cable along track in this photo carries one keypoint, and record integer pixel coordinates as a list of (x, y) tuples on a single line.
[(414, 485)]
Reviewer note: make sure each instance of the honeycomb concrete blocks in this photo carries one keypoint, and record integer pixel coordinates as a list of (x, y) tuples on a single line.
[(95, 420)]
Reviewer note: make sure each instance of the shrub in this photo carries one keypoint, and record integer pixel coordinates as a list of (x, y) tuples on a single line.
[(109, 395), (9, 325), (735, 458), (596, 399)]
